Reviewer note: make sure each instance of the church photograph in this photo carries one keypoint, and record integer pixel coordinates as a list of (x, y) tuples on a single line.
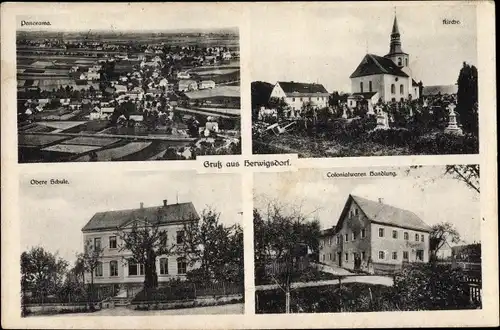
[(380, 80)]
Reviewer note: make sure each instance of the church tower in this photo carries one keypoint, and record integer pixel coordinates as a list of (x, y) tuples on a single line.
[(396, 54)]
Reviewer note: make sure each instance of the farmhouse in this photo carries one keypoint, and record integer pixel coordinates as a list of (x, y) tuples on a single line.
[(297, 95), (115, 268), (379, 236), (388, 78)]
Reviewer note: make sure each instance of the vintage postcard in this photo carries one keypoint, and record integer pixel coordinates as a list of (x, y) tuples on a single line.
[(335, 165)]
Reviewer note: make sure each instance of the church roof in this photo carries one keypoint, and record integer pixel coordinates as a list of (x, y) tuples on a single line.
[(374, 64), (414, 83), (292, 88)]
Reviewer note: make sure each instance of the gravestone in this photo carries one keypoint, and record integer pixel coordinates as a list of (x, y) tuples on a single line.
[(452, 127), (382, 119), (344, 114)]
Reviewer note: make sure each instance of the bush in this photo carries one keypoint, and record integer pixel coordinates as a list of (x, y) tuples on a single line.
[(173, 291), (431, 287)]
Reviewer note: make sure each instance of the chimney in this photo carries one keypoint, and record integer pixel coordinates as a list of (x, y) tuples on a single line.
[(380, 200), (164, 202), (142, 205)]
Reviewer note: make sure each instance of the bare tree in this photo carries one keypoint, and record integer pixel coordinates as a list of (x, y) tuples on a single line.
[(90, 260)]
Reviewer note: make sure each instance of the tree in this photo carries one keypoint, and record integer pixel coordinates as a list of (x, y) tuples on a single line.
[(89, 260), (280, 105), (442, 233), (146, 241), (469, 174), (42, 272), (281, 242), (467, 98), (218, 249)]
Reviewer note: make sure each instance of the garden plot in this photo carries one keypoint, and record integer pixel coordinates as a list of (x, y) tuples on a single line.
[(117, 153), (61, 125), (70, 148), (92, 141), (37, 140)]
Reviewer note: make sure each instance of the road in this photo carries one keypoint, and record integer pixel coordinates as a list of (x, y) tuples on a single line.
[(123, 311), (368, 279)]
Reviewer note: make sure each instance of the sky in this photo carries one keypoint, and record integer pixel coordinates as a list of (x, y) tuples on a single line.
[(434, 197), (325, 43), (146, 16), (52, 216)]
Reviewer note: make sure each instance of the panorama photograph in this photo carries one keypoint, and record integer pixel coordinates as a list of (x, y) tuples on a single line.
[(371, 81), (119, 95)]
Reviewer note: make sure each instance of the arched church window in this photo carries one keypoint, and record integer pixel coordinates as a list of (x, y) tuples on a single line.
[(401, 89), (399, 61), (361, 87), (406, 62), (393, 89), (370, 85)]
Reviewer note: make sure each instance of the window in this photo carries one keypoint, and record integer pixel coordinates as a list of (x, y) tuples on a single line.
[(354, 236), (112, 242), (323, 256), (381, 255), (406, 62), (334, 257), (113, 268), (363, 255), (347, 237), (330, 256), (181, 266), (363, 233), (381, 232), (420, 255), (180, 236), (309, 98), (98, 270), (97, 243), (406, 236), (361, 87), (405, 255), (329, 241), (393, 89), (399, 61), (346, 256), (163, 266), (422, 237), (356, 211), (293, 99), (401, 89), (370, 85), (394, 256), (338, 239), (416, 237), (395, 234), (135, 269)]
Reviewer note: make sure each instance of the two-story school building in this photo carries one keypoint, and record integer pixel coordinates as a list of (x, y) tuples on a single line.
[(114, 270), (379, 236)]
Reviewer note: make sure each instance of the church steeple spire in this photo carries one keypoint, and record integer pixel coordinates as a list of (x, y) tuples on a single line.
[(395, 29), (395, 46)]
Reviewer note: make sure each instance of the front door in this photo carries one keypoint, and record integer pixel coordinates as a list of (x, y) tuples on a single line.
[(339, 258)]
